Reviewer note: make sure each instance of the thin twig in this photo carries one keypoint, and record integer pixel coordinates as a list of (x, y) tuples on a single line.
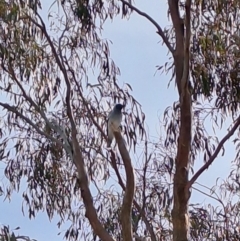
[(147, 159), (204, 193)]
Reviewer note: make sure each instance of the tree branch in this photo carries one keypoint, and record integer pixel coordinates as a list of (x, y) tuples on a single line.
[(159, 29), (208, 195), (215, 154), (185, 75), (52, 125), (126, 213), (143, 216), (147, 159), (179, 35), (91, 213)]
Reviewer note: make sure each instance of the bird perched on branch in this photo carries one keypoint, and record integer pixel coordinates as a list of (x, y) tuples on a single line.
[(114, 122)]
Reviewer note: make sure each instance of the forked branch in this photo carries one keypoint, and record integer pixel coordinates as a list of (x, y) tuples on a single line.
[(215, 154)]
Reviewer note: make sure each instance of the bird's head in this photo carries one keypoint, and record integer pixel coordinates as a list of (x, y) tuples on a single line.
[(119, 107)]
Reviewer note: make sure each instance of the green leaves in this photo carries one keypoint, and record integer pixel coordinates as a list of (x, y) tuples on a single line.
[(215, 53), (7, 235)]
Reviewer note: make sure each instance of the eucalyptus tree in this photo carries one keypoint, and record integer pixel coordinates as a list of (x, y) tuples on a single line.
[(55, 114)]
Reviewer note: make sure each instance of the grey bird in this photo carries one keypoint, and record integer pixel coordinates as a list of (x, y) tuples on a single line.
[(114, 122)]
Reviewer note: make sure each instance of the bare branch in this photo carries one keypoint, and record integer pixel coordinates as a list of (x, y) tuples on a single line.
[(126, 214), (159, 29), (177, 21), (215, 154), (91, 213), (138, 207)]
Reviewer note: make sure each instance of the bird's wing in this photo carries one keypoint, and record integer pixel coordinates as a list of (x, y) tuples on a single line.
[(109, 114), (109, 133), (108, 123)]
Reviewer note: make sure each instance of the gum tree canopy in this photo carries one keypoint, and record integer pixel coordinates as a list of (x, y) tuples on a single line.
[(53, 115)]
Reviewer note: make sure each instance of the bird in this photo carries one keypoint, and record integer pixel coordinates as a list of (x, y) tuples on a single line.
[(113, 122)]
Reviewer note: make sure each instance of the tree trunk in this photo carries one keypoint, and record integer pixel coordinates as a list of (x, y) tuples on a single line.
[(181, 193)]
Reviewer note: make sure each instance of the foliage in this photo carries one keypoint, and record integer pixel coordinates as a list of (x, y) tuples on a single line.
[(6, 235), (57, 76)]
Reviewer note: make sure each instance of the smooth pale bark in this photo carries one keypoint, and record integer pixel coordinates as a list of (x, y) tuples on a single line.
[(126, 212)]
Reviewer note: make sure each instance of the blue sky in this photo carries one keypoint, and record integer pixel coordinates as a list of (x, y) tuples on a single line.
[(137, 50)]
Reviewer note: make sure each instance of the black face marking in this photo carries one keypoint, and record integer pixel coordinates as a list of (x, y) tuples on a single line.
[(119, 106)]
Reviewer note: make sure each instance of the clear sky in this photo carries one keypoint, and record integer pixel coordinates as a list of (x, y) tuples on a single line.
[(137, 50)]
